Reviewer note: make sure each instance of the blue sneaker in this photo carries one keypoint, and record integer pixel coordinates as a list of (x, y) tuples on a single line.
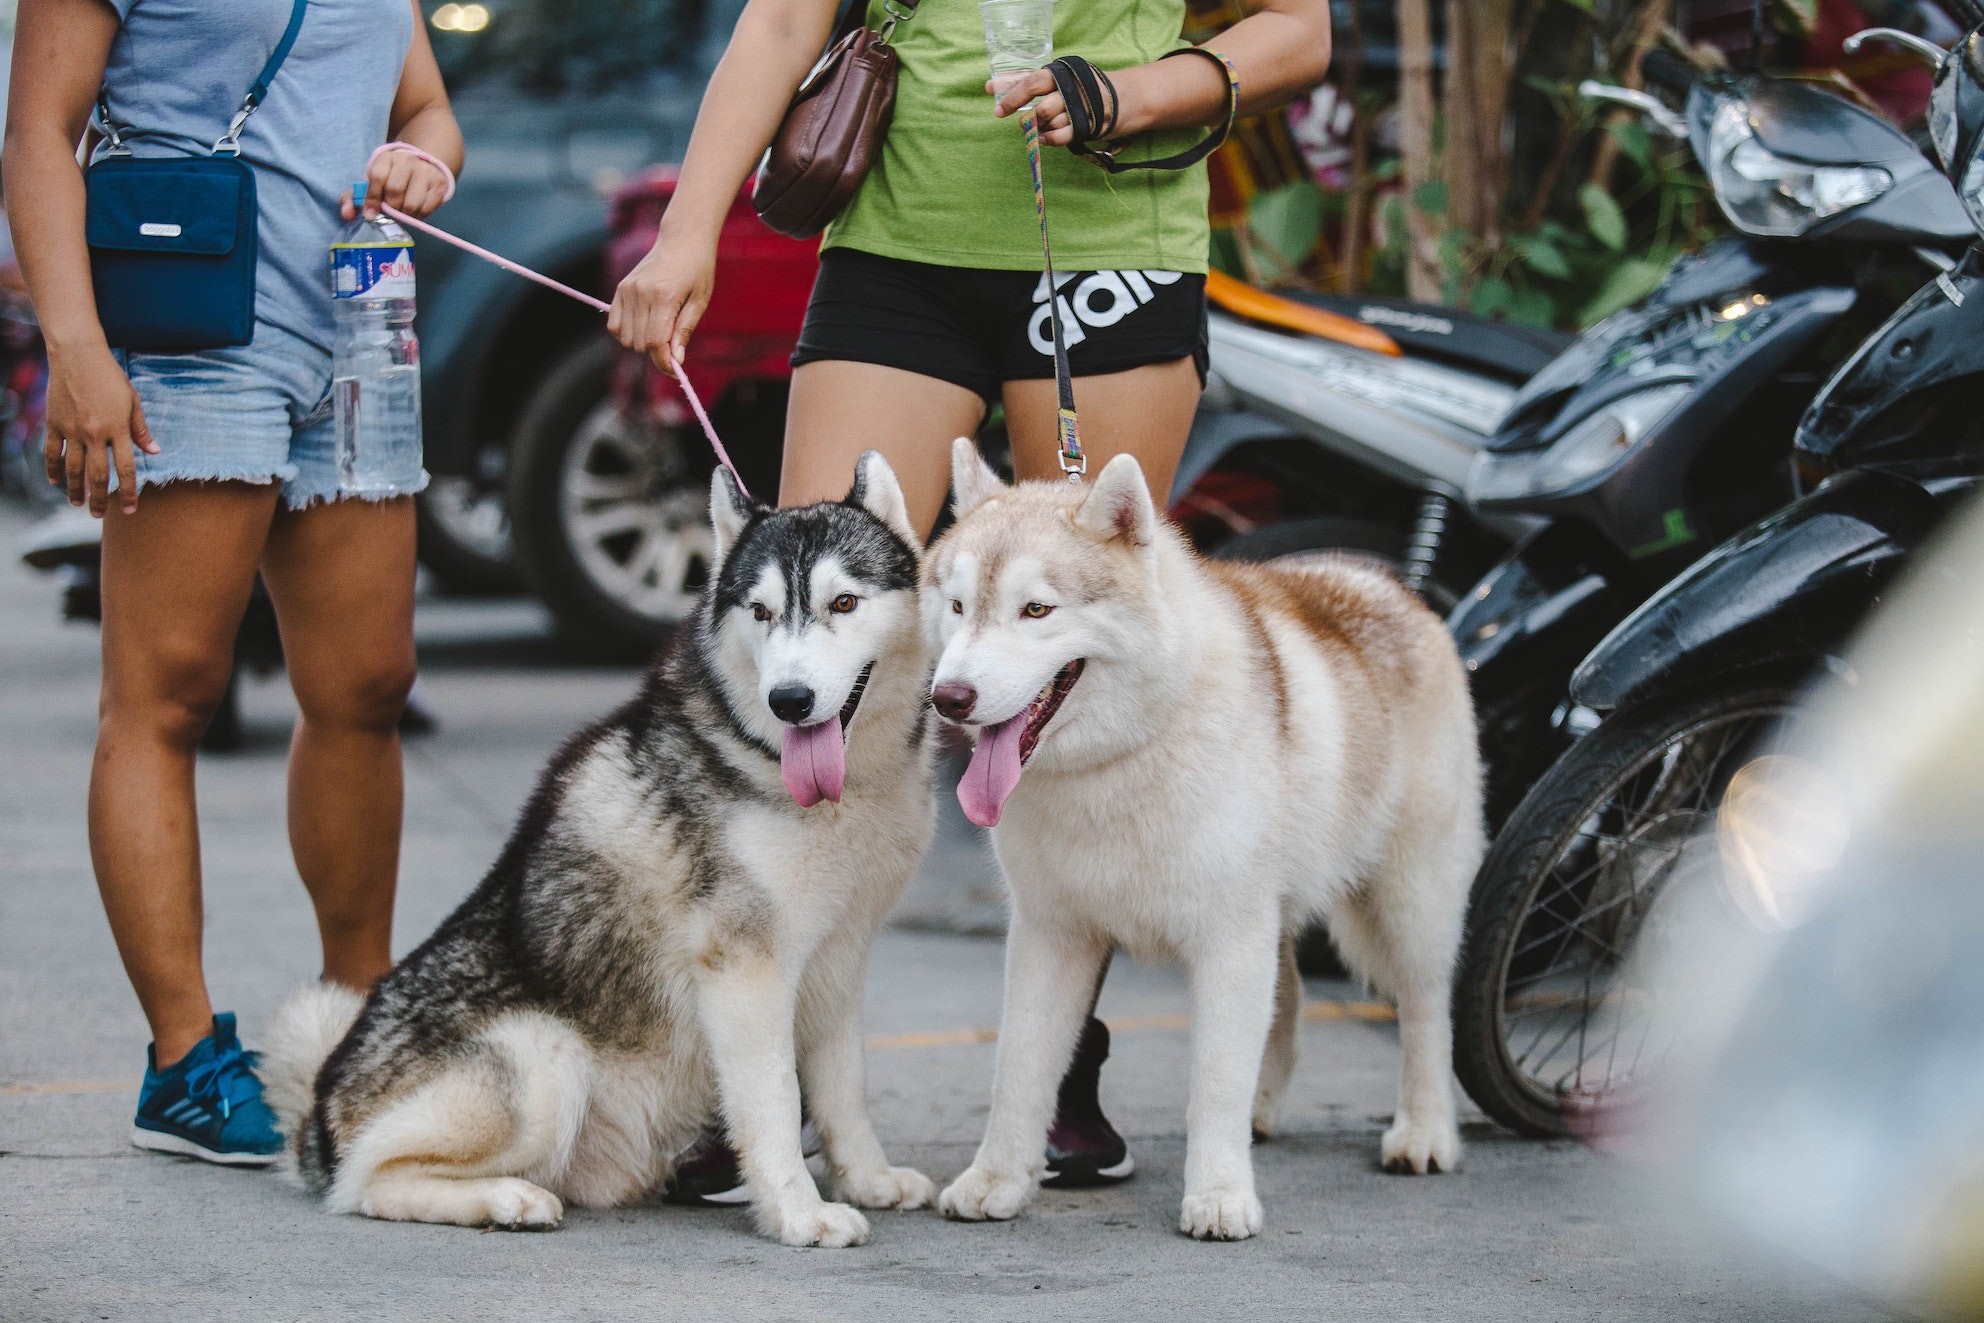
[(208, 1104)]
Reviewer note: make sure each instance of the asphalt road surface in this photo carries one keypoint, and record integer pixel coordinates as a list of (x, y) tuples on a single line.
[(93, 1229)]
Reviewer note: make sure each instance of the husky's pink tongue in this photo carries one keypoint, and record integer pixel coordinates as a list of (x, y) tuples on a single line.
[(814, 762), (994, 771)]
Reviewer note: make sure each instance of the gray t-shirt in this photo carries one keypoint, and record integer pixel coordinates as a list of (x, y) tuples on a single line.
[(177, 72)]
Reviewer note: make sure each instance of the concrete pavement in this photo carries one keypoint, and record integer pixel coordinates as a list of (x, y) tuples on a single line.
[(90, 1228)]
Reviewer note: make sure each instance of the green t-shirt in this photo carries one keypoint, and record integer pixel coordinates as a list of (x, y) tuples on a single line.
[(952, 185)]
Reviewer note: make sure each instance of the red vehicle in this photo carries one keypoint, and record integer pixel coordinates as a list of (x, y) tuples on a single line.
[(609, 479)]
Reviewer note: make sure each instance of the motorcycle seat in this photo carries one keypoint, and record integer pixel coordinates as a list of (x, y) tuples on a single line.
[(1499, 349)]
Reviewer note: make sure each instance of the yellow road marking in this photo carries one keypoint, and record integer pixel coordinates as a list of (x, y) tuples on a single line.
[(1321, 1011)]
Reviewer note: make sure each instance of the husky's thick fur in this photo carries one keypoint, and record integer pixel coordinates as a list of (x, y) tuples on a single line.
[(667, 933), (1214, 754)]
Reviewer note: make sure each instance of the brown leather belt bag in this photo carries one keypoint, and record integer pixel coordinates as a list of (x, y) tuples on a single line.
[(833, 131)]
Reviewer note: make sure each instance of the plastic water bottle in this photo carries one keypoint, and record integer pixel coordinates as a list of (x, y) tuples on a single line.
[(375, 362)]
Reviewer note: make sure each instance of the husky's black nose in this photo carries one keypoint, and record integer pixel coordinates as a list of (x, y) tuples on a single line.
[(791, 702), (954, 700)]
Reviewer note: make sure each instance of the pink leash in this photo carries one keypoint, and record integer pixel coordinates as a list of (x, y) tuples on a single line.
[(518, 268)]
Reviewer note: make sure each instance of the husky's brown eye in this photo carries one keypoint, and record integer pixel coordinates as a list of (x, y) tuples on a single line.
[(1036, 610), (841, 605), (760, 612), (957, 607)]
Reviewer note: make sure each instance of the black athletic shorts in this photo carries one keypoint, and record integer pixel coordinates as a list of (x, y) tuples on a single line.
[(978, 328)]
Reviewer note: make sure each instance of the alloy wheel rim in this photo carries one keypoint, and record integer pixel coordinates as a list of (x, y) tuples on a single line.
[(638, 533)]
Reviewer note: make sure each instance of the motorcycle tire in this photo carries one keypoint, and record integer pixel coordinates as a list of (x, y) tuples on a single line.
[(1549, 823)]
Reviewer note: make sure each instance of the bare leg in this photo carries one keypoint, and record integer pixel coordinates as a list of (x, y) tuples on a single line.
[(839, 410), (341, 577), (1050, 973), (176, 579), (1146, 412)]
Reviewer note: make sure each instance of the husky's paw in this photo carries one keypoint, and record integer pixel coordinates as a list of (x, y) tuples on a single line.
[(979, 1195), (1416, 1148), (517, 1205), (889, 1187), (829, 1226), (1220, 1215)]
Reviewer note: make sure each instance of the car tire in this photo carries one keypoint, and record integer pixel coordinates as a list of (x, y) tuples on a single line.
[(463, 526), (610, 514)]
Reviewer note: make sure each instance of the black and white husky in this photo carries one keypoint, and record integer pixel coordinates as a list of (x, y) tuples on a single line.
[(679, 924)]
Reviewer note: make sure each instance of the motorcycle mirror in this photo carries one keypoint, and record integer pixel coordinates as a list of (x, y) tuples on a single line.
[(1663, 119), (1928, 51)]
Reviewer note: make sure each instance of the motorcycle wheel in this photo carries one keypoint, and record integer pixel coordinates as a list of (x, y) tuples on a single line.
[(610, 514), (1548, 1021), (1366, 538)]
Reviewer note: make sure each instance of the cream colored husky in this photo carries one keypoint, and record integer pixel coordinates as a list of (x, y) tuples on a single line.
[(1193, 759)]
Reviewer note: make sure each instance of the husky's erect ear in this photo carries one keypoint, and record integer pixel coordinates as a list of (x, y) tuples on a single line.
[(972, 480), (730, 510), (1119, 504), (877, 491)]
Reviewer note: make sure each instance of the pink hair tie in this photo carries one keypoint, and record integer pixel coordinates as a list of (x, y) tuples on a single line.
[(413, 151)]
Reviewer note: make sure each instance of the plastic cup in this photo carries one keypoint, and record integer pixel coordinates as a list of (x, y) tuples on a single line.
[(1019, 38)]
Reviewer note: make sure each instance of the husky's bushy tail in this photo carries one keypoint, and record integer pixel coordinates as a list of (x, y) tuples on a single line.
[(306, 1030)]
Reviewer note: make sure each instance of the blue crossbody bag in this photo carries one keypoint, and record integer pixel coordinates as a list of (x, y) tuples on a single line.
[(173, 240)]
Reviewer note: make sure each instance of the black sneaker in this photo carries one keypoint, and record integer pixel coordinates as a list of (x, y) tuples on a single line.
[(1083, 1149), (708, 1175)]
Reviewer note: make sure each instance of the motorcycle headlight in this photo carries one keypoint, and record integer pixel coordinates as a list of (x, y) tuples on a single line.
[(1593, 447), (1763, 193)]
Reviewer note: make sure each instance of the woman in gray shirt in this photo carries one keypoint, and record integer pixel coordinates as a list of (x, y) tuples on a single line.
[(207, 467)]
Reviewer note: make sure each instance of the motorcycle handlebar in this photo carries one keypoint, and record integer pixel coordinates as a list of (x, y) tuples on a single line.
[(1669, 73)]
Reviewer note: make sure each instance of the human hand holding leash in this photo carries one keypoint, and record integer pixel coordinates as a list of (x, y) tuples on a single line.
[(656, 307), (95, 425)]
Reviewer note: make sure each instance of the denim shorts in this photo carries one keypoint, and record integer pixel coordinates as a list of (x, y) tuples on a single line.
[(259, 412)]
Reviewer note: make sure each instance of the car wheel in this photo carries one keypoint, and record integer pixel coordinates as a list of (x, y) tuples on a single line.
[(610, 512), (464, 529)]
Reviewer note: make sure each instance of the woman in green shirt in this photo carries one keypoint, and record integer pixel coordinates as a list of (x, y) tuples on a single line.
[(930, 303)]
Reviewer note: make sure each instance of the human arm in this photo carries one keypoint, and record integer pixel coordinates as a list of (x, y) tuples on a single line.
[(1279, 51), (775, 44), (421, 117), (94, 421)]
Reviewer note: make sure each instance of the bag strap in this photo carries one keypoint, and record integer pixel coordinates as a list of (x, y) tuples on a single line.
[(1092, 113), (229, 143)]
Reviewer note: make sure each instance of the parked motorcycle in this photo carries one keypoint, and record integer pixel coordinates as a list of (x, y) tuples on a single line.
[(1351, 423), (1666, 427), (1699, 684)]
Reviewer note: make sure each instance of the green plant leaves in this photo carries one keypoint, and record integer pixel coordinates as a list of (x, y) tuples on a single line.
[(1540, 255), (1287, 221), (1630, 281), (1602, 215)]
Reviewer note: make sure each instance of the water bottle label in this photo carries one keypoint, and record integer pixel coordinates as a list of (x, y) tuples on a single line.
[(371, 271)]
